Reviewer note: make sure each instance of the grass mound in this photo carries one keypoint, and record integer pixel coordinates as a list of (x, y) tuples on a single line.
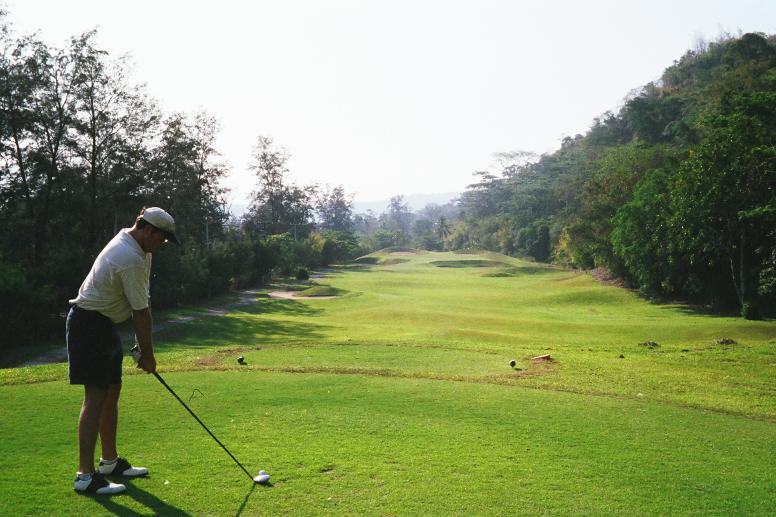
[(319, 290), (392, 261), (466, 263), (379, 261), (397, 249), (367, 259), (470, 251), (520, 270)]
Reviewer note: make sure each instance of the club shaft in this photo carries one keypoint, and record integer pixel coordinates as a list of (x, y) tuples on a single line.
[(202, 424)]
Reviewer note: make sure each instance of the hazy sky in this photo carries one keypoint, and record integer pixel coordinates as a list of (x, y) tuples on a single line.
[(389, 97)]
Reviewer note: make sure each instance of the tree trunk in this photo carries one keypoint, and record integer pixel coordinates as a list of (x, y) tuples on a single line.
[(741, 277), (740, 285)]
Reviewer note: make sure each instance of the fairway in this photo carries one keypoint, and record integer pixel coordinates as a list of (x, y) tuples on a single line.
[(396, 397)]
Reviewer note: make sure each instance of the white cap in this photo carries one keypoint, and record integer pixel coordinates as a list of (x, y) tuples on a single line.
[(161, 220)]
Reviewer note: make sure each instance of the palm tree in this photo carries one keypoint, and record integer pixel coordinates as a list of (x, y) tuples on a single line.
[(443, 229)]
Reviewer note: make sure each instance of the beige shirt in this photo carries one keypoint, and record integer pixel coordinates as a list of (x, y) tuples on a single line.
[(118, 282)]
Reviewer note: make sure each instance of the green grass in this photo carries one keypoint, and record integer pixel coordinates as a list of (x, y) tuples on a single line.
[(396, 398)]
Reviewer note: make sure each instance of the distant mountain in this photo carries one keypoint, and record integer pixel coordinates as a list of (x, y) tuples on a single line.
[(415, 201)]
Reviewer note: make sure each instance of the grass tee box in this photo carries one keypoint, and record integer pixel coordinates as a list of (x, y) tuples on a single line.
[(375, 446), (395, 397)]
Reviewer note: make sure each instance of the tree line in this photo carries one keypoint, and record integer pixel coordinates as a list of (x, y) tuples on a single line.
[(84, 148), (675, 193)]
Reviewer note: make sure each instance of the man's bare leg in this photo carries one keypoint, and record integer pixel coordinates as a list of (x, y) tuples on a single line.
[(109, 422), (89, 425)]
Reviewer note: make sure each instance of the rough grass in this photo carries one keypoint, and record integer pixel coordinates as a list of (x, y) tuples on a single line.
[(397, 399)]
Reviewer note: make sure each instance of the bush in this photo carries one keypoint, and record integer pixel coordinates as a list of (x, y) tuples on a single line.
[(339, 247), (750, 311), (302, 274), (25, 309)]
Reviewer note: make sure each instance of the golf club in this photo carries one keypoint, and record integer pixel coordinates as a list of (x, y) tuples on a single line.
[(262, 476)]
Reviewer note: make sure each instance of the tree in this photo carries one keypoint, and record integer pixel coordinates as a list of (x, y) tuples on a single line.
[(643, 238), (110, 120), (724, 197), (399, 217), (269, 165), (335, 209), (53, 102), (278, 207), (425, 236), (365, 224), (19, 82), (442, 228)]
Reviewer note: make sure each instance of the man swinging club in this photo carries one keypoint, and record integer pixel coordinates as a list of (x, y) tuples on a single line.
[(116, 288)]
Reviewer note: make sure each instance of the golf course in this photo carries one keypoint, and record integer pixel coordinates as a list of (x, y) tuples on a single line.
[(394, 395)]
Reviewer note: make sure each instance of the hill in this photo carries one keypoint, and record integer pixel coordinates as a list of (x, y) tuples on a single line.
[(674, 193)]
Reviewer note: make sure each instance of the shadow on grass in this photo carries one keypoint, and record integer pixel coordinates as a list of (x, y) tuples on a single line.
[(279, 306), (354, 268), (709, 312), (241, 509), (521, 270), (467, 263), (233, 329), (147, 499)]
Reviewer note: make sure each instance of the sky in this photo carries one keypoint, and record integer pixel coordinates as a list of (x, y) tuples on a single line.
[(392, 97)]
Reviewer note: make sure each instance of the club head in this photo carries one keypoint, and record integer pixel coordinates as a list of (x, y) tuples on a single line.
[(262, 478)]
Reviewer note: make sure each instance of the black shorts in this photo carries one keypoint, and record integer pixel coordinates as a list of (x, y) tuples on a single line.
[(94, 352)]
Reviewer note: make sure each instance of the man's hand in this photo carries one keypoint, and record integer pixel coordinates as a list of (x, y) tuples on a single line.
[(143, 325), (147, 363)]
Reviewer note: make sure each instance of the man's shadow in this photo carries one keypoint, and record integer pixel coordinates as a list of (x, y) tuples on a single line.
[(245, 501), (150, 501)]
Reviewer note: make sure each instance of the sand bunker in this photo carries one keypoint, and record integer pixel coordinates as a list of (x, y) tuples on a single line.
[(289, 295)]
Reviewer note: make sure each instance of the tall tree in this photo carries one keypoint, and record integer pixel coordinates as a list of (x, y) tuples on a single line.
[(111, 116), (399, 216), (724, 195), (335, 209), (278, 207)]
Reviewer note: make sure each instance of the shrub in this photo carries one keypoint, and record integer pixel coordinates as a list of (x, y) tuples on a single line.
[(750, 311), (302, 274), (25, 309)]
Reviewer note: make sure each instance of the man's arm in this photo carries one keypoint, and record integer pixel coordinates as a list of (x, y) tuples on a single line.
[(143, 326)]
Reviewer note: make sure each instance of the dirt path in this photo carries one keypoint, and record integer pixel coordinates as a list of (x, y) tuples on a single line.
[(247, 297)]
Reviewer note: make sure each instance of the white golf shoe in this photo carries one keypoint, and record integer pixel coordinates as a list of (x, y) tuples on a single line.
[(96, 484), (121, 467)]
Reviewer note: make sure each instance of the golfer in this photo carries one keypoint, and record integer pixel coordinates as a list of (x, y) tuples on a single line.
[(116, 288)]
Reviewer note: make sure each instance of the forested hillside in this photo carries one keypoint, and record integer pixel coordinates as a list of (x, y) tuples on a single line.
[(675, 193)]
